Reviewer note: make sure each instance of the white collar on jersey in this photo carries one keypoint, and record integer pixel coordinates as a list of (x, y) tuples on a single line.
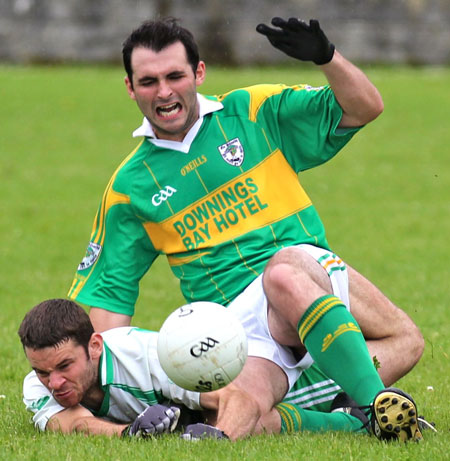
[(206, 106)]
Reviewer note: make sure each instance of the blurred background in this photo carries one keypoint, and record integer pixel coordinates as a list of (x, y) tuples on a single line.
[(413, 32)]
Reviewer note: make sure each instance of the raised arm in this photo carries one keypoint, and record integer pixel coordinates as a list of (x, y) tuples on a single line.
[(358, 97), (360, 100)]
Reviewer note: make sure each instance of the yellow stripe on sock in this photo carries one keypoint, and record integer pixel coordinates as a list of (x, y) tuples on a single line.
[(290, 416), (315, 315), (286, 418)]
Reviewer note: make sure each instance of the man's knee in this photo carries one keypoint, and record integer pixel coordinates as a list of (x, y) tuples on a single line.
[(293, 274)]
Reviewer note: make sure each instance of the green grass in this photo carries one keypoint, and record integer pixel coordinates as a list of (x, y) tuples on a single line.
[(385, 201)]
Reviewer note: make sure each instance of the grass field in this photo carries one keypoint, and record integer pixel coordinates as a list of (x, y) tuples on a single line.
[(385, 201)]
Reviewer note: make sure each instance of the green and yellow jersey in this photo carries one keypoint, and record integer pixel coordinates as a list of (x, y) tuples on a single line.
[(220, 206)]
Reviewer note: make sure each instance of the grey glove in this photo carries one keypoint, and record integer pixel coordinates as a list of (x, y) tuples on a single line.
[(299, 40), (154, 420), (202, 431)]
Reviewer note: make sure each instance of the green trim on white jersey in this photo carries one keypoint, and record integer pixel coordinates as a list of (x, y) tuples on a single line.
[(130, 357), (130, 376)]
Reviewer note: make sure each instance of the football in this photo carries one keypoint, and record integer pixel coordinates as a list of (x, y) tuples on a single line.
[(202, 346)]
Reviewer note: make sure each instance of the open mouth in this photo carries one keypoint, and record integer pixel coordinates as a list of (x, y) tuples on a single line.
[(169, 110)]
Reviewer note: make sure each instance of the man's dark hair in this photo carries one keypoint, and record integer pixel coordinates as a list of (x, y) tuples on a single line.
[(157, 35), (53, 322)]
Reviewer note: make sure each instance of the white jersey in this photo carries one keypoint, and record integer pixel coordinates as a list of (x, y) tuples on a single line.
[(130, 375)]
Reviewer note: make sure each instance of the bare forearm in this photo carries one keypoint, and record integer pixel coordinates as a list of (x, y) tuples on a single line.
[(95, 426), (80, 419), (360, 100)]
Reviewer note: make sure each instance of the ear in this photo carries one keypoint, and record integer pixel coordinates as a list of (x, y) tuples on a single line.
[(129, 88), (95, 346), (200, 74)]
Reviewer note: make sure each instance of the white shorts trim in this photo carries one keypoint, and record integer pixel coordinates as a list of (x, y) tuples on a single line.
[(251, 309)]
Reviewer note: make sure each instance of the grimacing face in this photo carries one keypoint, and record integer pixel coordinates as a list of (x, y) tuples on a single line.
[(164, 87), (66, 371)]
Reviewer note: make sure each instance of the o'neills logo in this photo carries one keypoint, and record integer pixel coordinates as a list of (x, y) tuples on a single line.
[(193, 164), (163, 195)]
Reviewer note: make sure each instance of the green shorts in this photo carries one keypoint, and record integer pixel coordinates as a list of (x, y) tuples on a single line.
[(313, 390)]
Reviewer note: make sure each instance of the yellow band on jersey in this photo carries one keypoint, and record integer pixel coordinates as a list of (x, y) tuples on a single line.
[(246, 203)]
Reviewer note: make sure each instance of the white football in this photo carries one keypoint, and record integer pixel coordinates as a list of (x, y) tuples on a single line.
[(202, 346)]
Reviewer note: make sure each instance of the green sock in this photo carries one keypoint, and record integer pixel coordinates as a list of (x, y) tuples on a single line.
[(296, 419), (335, 342)]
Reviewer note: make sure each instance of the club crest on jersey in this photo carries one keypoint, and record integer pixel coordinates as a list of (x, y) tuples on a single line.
[(232, 152), (92, 252)]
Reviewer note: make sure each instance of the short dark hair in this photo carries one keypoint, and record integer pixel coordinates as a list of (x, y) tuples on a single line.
[(157, 35), (53, 322)]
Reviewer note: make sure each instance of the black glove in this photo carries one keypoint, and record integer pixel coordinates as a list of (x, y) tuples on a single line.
[(299, 40), (202, 431), (156, 419)]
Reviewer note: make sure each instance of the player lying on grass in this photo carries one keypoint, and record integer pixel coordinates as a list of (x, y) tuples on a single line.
[(112, 384)]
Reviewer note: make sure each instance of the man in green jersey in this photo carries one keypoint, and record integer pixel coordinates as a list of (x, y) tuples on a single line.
[(213, 186)]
